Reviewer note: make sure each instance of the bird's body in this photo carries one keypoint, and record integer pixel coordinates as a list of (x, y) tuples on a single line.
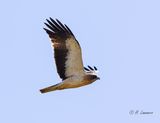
[(68, 58), (71, 82)]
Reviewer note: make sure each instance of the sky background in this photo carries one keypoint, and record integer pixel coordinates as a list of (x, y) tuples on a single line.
[(120, 37)]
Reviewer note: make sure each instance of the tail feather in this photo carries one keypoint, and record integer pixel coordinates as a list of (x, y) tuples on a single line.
[(50, 88)]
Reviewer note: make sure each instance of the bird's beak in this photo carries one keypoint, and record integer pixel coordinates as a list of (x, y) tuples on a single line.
[(98, 78)]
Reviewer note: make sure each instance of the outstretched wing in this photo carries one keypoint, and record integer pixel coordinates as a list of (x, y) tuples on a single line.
[(67, 51)]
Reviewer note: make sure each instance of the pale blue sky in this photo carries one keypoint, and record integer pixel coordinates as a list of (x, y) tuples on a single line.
[(120, 37)]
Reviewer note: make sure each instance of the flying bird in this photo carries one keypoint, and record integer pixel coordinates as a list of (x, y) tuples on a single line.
[(68, 58)]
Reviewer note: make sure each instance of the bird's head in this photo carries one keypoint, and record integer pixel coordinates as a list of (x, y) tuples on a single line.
[(89, 78), (94, 77), (92, 73)]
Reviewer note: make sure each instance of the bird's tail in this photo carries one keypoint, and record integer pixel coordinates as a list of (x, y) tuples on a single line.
[(50, 88)]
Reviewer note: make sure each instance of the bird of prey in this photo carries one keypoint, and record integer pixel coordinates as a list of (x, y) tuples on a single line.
[(68, 58)]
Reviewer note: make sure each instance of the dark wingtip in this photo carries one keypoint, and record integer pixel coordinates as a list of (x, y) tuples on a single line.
[(51, 19), (57, 20), (95, 68), (69, 30), (46, 29), (86, 69), (90, 68)]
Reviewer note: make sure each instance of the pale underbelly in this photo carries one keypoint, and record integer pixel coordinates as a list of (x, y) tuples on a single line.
[(74, 84)]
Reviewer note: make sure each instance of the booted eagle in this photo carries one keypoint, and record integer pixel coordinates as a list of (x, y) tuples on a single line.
[(68, 58)]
